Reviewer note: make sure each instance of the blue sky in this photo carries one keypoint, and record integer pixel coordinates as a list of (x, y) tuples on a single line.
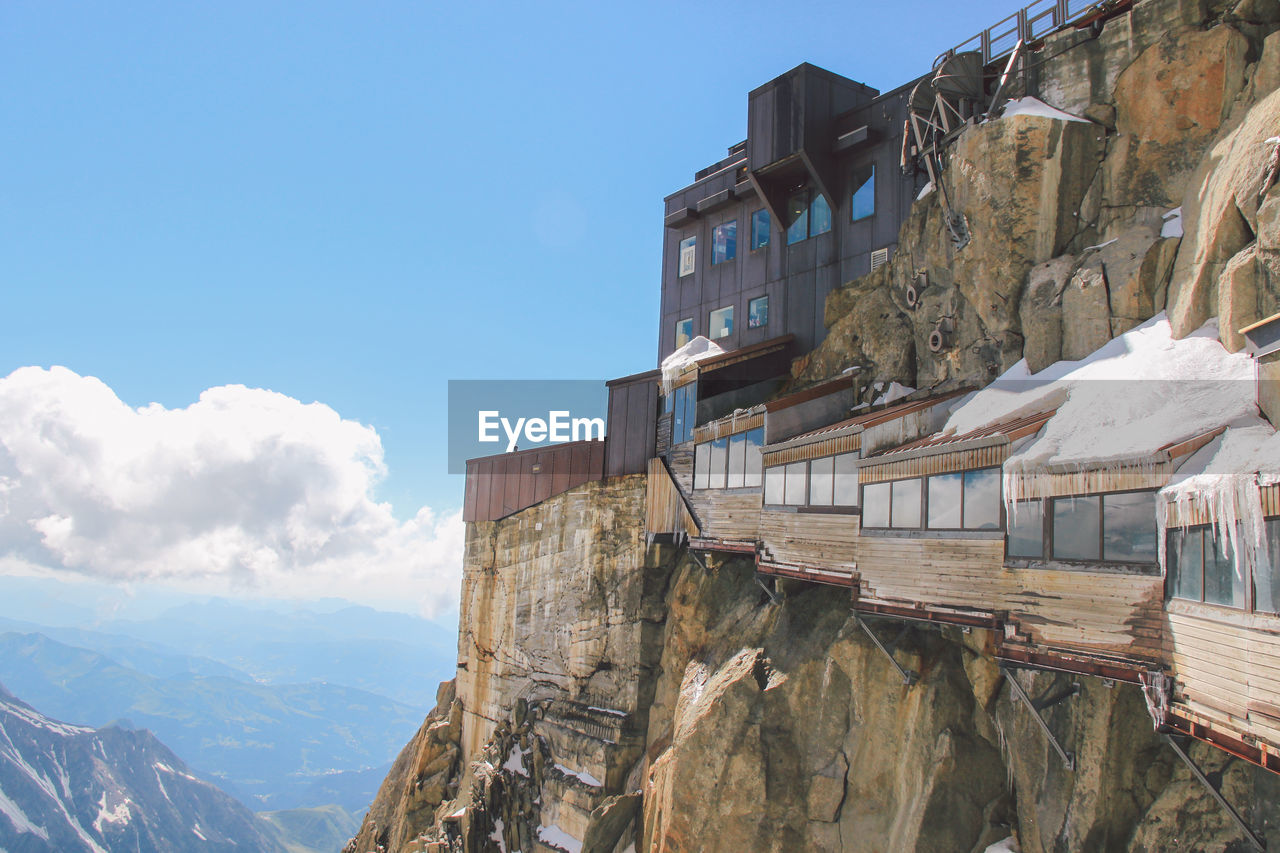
[(354, 203)]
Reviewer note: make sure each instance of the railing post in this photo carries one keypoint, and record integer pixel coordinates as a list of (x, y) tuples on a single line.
[(1060, 12), (1023, 34), (986, 46)]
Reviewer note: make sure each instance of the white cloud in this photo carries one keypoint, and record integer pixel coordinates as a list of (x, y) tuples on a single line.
[(244, 491)]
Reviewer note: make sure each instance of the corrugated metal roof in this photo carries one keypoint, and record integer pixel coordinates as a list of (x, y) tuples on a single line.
[(870, 419), (1011, 429)]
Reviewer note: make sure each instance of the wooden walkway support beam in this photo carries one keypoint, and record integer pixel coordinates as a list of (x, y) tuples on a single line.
[(1253, 837), (909, 677), (1068, 759)]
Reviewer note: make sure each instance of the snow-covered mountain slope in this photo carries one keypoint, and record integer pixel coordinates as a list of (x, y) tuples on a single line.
[(71, 789)]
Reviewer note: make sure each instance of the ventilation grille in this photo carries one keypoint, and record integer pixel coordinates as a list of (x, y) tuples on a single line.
[(879, 258)]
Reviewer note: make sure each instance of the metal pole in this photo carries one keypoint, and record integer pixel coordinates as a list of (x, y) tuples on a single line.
[(908, 677), (1217, 795), (1067, 758)]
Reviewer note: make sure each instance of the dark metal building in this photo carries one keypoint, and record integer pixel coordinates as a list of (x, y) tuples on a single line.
[(812, 198)]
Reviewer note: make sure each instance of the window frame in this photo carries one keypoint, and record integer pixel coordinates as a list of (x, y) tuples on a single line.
[(679, 322), (853, 194), (692, 241), (731, 247), (924, 527), (767, 230), (703, 450), (807, 506), (753, 301), (711, 322), (1047, 558), (1251, 579)]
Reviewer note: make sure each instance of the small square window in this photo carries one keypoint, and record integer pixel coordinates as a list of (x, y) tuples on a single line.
[(1077, 529), (721, 322), (758, 312), (819, 215), (864, 193), (846, 480), (688, 256), (760, 227), (684, 331), (724, 242)]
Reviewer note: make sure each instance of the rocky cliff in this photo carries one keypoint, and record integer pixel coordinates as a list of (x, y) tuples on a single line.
[(613, 696)]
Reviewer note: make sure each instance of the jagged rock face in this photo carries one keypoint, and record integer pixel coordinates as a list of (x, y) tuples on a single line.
[(73, 789), (781, 727)]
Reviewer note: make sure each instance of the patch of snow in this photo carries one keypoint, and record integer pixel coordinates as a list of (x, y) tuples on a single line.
[(696, 350), (119, 814), (1172, 223), (19, 819), (928, 188), (1102, 245), (515, 761), (581, 775), (557, 837), (460, 812), (614, 711), (40, 721), (893, 392), (630, 848), (198, 833), (1035, 107), (496, 835), (1137, 393), (1008, 845), (166, 768)]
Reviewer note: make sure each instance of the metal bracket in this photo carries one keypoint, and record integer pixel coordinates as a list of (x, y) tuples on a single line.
[(697, 559), (1257, 842), (773, 596), (909, 677), (1068, 759)]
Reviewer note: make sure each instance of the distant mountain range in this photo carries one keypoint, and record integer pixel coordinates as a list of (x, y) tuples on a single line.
[(278, 746), (75, 790)]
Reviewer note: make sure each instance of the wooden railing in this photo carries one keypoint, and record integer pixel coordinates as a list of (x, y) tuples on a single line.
[(1027, 25)]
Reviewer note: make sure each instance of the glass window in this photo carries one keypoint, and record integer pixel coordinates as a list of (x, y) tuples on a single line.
[(760, 226), (678, 414), (821, 474), (982, 499), (875, 505), (690, 410), (864, 193), (754, 438), (719, 455), (721, 322), (819, 215), (688, 256), (1076, 532), (1129, 527), (846, 480), (1223, 584), (737, 461), (684, 331), (758, 312), (1185, 557), (701, 465), (945, 494), (724, 242), (796, 490), (906, 503), (1266, 581), (775, 480), (798, 217), (1026, 530)]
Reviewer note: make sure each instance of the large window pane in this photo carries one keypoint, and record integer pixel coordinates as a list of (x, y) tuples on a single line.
[(760, 226), (775, 481), (690, 410), (1185, 557), (821, 472), (754, 438), (737, 461), (719, 456), (758, 312), (796, 484), (906, 503), (864, 193), (701, 465), (819, 215), (1129, 527), (875, 505), (1266, 583), (1026, 530), (982, 499), (721, 322), (724, 242), (846, 480), (797, 218), (684, 331), (678, 414), (944, 501), (688, 256), (1222, 583), (1076, 527)]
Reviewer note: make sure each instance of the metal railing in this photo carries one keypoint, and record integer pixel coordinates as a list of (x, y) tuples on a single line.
[(1029, 24)]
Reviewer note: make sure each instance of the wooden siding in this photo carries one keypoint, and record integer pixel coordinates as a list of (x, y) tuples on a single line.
[(1054, 484), (728, 426), (500, 485), (940, 463), (816, 450), (680, 459), (827, 541), (1226, 668), (731, 515), (1186, 516), (665, 510), (1271, 500)]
